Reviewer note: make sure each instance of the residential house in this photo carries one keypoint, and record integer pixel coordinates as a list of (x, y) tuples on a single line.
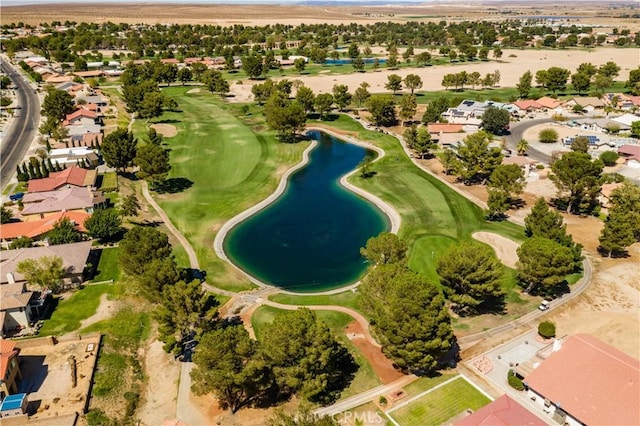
[(80, 116), (36, 229), (15, 306), (9, 368), (503, 411), (73, 156), (587, 103), (550, 104), (38, 205), (88, 74), (74, 259), (631, 155), (600, 125), (445, 133), (526, 106), (627, 119), (586, 382), (75, 176)]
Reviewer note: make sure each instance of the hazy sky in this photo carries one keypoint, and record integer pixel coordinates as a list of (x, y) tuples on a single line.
[(27, 2)]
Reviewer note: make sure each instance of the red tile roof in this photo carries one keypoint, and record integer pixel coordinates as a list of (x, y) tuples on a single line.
[(8, 350), (503, 411), (593, 382), (35, 228), (72, 176), (78, 113), (548, 102), (528, 104), (630, 151), (444, 128)]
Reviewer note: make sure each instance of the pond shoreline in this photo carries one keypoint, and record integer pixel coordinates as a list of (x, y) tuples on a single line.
[(386, 209)]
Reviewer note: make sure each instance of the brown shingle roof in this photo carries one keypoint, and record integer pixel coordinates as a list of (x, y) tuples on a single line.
[(13, 296), (74, 258), (591, 381)]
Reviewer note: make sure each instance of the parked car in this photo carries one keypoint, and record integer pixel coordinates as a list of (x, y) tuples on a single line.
[(544, 305), (17, 196)]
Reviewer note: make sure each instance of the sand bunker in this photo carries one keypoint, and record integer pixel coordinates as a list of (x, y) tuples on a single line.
[(504, 247), (196, 90), (166, 130)]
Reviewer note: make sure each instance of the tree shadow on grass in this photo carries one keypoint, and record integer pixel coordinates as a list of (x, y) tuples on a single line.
[(168, 121), (173, 185)]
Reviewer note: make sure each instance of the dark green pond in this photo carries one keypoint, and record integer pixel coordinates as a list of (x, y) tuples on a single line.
[(310, 238)]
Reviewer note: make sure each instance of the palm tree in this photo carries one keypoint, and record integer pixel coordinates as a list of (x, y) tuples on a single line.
[(522, 147)]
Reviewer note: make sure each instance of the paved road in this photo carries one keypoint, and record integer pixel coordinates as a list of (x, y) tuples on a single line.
[(517, 133), (20, 134)]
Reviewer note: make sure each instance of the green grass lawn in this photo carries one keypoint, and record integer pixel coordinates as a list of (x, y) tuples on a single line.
[(118, 365), (347, 298), (433, 215), (232, 162), (109, 182), (426, 383), (69, 313), (108, 267), (365, 377), (441, 405)]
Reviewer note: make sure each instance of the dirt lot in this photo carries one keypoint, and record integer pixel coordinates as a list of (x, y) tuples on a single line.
[(224, 14), (46, 372)]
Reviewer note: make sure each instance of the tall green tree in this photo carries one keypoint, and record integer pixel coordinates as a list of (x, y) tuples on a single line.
[(286, 117), (323, 103), (476, 160), (385, 248), (153, 161), (423, 144), (408, 106), (253, 65), (306, 358), (434, 110), (579, 180), (228, 364), (361, 94), (119, 149), (415, 332), (580, 82), (140, 246), (44, 272), (497, 204), (341, 96), (524, 84), (622, 227), (382, 110), (7, 215), (508, 178), (184, 75), (413, 82), (186, 312), (471, 275), (394, 83), (63, 232), (556, 79), (306, 98), (104, 224), (57, 104), (496, 120), (543, 264)]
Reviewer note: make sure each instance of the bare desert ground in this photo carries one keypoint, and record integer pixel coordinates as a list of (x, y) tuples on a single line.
[(513, 64), (590, 12)]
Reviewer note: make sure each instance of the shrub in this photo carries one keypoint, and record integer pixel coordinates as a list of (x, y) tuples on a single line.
[(609, 158), (548, 136), (547, 329), (514, 381), (382, 400), (539, 166), (558, 117)]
